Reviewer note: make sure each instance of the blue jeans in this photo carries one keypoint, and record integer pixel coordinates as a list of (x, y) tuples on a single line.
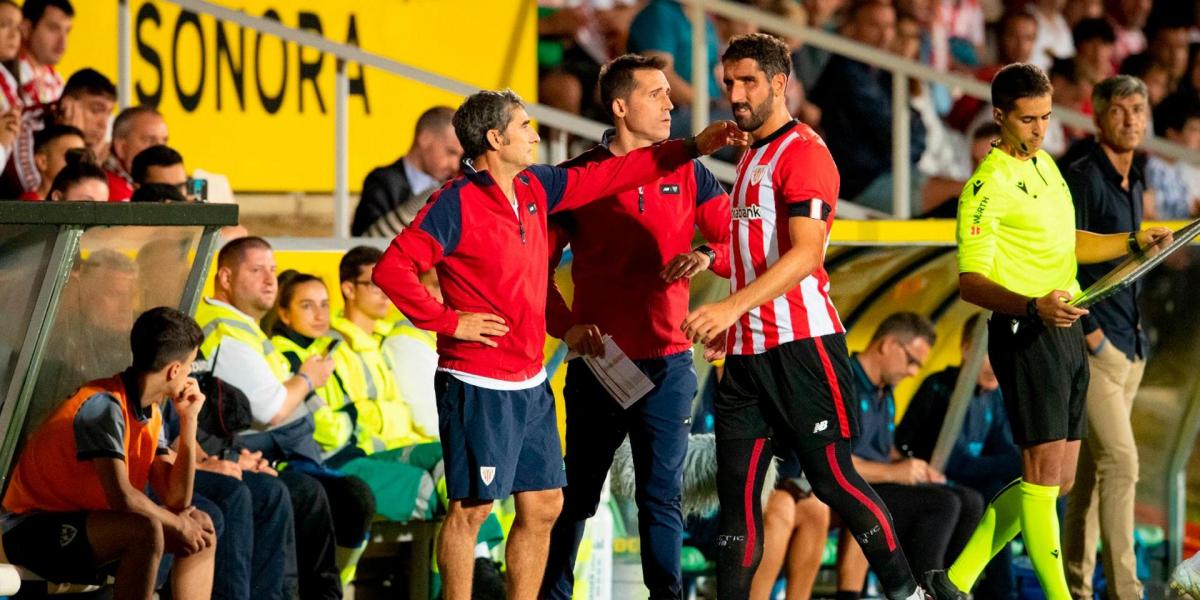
[(657, 426), (257, 515)]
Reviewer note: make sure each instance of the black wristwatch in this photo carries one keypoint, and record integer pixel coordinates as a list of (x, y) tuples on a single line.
[(1132, 243), (709, 252), (1031, 308)]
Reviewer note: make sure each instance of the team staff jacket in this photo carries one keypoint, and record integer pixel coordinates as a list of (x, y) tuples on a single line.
[(491, 255), (620, 246)]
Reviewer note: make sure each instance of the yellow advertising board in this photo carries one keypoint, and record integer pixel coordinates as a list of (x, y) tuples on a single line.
[(261, 111)]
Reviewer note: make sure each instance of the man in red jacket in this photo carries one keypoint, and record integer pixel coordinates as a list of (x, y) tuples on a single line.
[(634, 287), (485, 233)]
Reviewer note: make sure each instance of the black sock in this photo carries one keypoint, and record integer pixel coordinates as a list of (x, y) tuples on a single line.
[(844, 595), (741, 469), (836, 483)]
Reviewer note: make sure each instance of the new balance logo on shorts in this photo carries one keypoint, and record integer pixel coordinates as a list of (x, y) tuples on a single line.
[(66, 535), (487, 474), (822, 426)]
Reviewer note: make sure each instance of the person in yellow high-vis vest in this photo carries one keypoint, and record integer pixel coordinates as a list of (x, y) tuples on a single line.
[(332, 511), (300, 330)]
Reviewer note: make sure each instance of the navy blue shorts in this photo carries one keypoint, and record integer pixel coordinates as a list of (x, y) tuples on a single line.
[(497, 442)]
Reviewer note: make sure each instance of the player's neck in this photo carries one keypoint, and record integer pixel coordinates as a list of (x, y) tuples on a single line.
[(871, 368), (625, 141), (147, 388), (501, 172), (778, 118)]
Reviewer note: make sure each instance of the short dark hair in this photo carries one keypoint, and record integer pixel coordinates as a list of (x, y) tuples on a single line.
[(80, 165), (124, 122), (162, 335), (355, 259), (89, 82), (906, 326), (436, 118), (157, 192), (1010, 16), (1163, 22), (52, 132), (1017, 81), (1093, 29), (480, 113), (34, 10), (1065, 68), (1173, 113), (617, 80), (233, 253), (154, 156), (771, 53)]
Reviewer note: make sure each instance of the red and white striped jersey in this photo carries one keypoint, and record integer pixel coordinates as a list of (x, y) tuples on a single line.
[(788, 173)]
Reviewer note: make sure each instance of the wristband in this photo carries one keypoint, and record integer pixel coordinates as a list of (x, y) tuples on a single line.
[(1031, 310), (707, 251), (308, 381), (1132, 243)]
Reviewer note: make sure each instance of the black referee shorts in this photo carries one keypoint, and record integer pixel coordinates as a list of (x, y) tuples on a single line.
[(1043, 374), (799, 393)]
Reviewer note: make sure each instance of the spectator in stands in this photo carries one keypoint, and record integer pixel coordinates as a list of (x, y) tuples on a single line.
[(87, 103), (104, 303), (1053, 33), (392, 194), (10, 49), (51, 146), (1176, 184), (984, 457), (330, 510), (135, 129), (1095, 44), (79, 179), (1076, 11), (1107, 188), (1156, 76), (78, 489), (933, 519), (44, 30), (856, 106), (1071, 91), (809, 61), (795, 525), (1015, 37), (158, 192), (663, 29), (300, 331), (161, 165), (963, 24), (1168, 47), (1128, 19)]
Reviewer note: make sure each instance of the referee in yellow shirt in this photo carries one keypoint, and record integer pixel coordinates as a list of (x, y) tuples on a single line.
[(1017, 254)]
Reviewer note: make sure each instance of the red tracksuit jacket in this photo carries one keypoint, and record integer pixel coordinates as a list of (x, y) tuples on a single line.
[(491, 259), (620, 246)]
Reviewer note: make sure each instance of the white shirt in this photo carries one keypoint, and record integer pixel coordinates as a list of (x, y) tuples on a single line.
[(247, 369), (1054, 39), (415, 365)]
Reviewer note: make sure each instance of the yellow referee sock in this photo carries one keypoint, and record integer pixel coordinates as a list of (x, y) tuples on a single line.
[(1039, 528), (999, 525)]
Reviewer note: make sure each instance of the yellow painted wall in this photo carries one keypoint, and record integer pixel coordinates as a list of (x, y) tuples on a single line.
[(290, 147)]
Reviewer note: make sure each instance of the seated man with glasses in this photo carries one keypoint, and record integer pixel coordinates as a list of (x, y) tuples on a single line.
[(163, 166), (933, 519)]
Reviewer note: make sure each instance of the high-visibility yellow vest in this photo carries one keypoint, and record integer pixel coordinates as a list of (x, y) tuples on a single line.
[(383, 416), (219, 321), (333, 428)]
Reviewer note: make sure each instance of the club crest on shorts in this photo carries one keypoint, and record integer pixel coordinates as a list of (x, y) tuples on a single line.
[(487, 474), (757, 173), (66, 535)]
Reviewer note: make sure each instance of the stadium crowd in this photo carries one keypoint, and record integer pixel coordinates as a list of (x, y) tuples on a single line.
[(332, 421)]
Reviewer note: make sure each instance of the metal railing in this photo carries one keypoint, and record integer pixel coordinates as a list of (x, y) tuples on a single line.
[(902, 71)]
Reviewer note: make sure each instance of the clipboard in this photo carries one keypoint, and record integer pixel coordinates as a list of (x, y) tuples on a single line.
[(1135, 267)]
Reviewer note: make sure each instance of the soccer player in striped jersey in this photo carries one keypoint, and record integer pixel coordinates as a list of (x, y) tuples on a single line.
[(787, 376)]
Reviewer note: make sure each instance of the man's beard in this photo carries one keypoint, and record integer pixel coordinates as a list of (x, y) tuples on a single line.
[(758, 114)]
